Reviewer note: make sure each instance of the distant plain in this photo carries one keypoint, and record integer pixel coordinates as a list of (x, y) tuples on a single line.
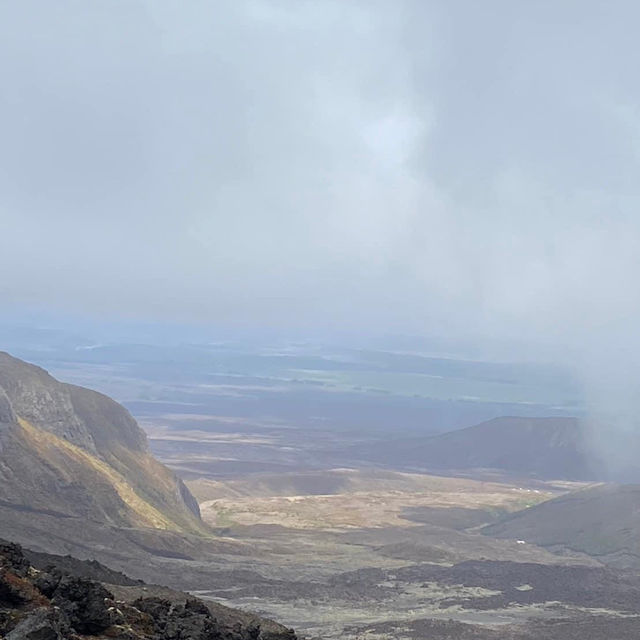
[(272, 441)]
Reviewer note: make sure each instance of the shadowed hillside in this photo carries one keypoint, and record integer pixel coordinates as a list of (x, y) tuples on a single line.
[(70, 452), (551, 448), (602, 521)]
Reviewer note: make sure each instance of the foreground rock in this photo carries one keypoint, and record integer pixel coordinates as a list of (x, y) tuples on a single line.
[(53, 604)]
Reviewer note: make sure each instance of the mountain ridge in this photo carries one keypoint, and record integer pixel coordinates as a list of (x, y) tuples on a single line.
[(75, 452), (554, 448)]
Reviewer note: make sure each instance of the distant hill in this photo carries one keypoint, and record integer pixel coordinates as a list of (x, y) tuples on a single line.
[(602, 521), (553, 448), (69, 452)]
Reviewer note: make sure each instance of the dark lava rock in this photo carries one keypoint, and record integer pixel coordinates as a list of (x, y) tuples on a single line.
[(12, 558), (47, 582), (14, 567), (87, 604), (10, 593), (41, 624), (91, 569), (157, 608), (192, 620), (54, 604)]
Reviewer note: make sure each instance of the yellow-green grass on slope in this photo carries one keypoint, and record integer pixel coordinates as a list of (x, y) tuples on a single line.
[(145, 514), (162, 491)]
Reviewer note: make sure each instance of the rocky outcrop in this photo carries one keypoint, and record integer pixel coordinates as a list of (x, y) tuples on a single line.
[(70, 451), (53, 604), (43, 401)]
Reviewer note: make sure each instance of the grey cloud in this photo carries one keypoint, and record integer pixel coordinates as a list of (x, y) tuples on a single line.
[(412, 166)]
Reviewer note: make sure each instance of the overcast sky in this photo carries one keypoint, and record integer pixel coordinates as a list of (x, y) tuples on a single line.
[(408, 166)]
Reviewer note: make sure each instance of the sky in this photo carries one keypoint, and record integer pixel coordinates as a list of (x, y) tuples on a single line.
[(450, 167)]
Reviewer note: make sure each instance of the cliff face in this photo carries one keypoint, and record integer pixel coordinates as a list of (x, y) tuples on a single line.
[(72, 452)]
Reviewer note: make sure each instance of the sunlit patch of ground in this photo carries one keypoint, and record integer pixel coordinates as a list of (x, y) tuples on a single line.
[(384, 504), (160, 432)]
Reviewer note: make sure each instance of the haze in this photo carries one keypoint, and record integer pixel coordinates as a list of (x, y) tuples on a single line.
[(442, 169), (407, 165)]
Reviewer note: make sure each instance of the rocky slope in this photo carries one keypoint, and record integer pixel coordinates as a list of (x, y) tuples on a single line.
[(55, 603), (69, 452)]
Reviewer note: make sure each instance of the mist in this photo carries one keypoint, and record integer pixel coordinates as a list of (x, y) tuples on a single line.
[(443, 169)]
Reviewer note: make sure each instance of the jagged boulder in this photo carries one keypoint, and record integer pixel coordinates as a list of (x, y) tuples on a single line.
[(47, 582), (12, 558), (87, 604), (14, 567), (180, 621), (41, 624)]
